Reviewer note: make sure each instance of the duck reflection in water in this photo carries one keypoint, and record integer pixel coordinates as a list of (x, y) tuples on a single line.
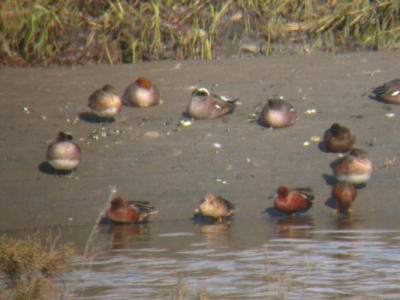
[(346, 222), (346, 228), (294, 226), (123, 236), (216, 233)]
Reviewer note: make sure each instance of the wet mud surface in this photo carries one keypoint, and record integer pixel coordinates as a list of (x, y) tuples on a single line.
[(146, 155)]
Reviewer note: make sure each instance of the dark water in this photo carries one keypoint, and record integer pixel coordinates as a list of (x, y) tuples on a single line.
[(259, 257)]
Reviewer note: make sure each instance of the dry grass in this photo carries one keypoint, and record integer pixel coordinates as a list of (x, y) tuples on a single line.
[(180, 292), (31, 268), (105, 31), (28, 267)]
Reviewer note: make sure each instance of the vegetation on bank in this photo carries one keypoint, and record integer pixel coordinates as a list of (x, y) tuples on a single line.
[(106, 31), (28, 267)]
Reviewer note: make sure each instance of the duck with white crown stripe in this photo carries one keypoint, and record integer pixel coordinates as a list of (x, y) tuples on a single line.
[(206, 105), (388, 92)]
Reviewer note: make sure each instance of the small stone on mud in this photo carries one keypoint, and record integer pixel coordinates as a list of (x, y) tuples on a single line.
[(222, 181), (390, 115), (177, 152), (311, 111), (177, 66), (152, 134), (314, 138), (217, 145), (185, 123)]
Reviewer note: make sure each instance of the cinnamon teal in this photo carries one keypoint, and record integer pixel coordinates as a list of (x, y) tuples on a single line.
[(121, 211), (292, 201)]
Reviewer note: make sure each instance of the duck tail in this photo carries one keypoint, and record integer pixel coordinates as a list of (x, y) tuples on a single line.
[(146, 214), (380, 90)]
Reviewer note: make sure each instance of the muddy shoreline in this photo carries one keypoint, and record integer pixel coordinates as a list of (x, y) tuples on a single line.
[(146, 155)]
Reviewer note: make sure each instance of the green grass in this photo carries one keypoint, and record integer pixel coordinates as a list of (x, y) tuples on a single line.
[(106, 31), (29, 266)]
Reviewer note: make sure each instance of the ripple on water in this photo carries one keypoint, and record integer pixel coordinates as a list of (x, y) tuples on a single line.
[(327, 264), (176, 234)]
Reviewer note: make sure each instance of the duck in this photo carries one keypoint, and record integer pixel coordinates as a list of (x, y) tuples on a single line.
[(388, 92), (292, 201), (338, 139), (216, 207), (141, 93), (344, 193), (277, 113), (206, 105), (354, 168), (104, 102), (121, 211), (63, 154)]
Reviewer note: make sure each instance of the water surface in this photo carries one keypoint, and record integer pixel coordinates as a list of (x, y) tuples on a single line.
[(258, 257)]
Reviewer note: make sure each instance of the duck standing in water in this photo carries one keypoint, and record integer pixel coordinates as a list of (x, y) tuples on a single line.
[(355, 167), (63, 154), (344, 193), (388, 92), (104, 102), (121, 211), (216, 207), (338, 139), (292, 201), (277, 113), (141, 93), (205, 105)]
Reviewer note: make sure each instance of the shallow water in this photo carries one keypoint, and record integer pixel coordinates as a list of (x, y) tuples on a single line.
[(260, 257)]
